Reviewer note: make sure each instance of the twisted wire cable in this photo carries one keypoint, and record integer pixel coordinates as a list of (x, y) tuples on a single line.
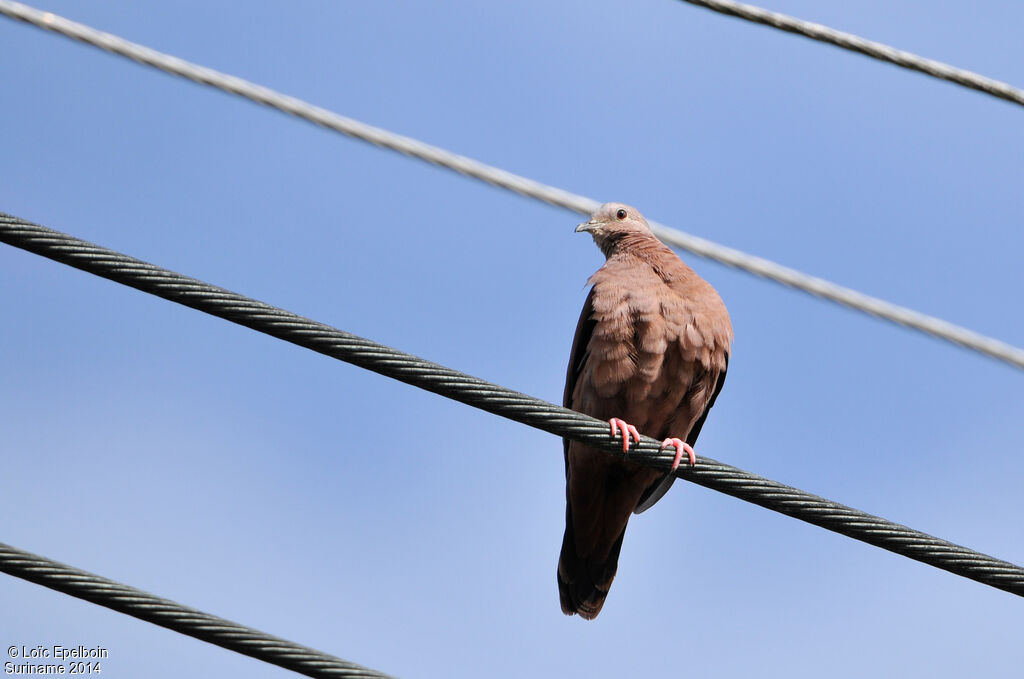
[(434, 155), (504, 402), (172, 615), (875, 50)]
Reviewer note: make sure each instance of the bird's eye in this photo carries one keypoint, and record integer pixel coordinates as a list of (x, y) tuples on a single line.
[(621, 214)]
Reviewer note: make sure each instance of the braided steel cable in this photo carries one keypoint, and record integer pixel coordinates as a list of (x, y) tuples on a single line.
[(504, 402), (174, 616), (875, 50), (408, 146)]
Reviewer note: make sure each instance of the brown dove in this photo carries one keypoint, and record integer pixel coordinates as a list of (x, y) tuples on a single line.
[(649, 355)]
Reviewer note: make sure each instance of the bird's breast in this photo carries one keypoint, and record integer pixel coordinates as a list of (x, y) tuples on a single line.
[(654, 336), (638, 359)]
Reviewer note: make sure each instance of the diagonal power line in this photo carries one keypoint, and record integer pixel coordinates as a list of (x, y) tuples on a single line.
[(875, 50), (504, 402), (174, 616), (501, 178)]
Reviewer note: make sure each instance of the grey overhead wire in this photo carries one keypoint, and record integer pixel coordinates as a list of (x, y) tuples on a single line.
[(930, 325), (174, 616), (527, 187), (855, 43), (504, 402), (297, 107)]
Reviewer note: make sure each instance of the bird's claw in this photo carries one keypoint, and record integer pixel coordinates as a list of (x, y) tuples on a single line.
[(680, 447), (627, 431)]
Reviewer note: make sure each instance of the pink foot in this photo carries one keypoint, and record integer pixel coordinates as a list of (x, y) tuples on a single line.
[(627, 431), (680, 448)]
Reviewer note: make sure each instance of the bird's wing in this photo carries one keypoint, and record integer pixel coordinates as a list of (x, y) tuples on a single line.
[(695, 430), (658, 490), (577, 357)]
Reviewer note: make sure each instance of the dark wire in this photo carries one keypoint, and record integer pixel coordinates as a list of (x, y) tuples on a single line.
[(174, 616), (505, 402)]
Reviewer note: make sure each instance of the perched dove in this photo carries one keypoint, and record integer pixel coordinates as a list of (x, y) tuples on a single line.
[(651, 348)]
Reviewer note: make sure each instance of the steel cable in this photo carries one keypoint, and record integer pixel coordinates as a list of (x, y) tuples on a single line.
[(875, 50), (504, 402), (174, 616), (527, 187)]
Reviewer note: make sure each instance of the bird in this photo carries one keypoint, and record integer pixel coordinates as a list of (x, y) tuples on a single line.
[(649, 355)]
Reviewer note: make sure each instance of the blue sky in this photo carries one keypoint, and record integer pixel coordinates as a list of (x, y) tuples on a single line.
[(269, 485)]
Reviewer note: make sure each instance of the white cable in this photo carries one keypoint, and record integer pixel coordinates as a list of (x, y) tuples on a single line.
[(507, 180)]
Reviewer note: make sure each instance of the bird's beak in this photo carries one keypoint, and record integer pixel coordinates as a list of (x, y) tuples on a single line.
[(589, 227)]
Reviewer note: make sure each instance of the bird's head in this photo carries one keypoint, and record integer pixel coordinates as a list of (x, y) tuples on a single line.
[(613, 222)]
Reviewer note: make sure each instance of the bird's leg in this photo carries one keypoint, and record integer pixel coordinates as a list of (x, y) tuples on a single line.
[(680, 447), (627, 431)]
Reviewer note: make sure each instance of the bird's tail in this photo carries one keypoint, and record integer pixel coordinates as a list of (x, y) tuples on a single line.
[(583, 581)]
